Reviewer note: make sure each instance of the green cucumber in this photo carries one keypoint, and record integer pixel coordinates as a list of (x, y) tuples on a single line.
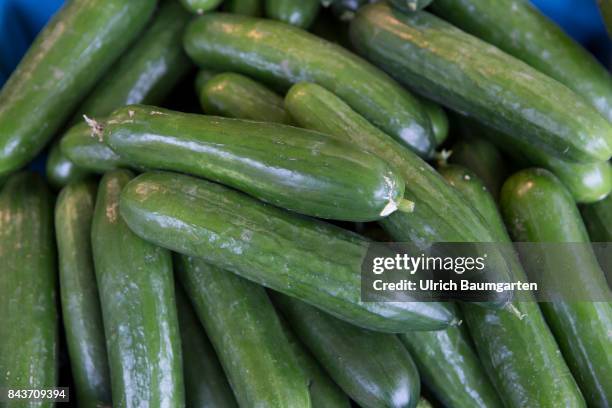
[(200, 6), (300, 13), (450, 368), (501, 91), (410, 6), (245, 7), (206, 385), (247, 335), (518, 28), (440, 213), (28, 312), (293, 168), (236, 96), (484, 159), (438, 119), (280, 54), (83, 148), (79, 295), (520, 355), (598, 219), (605, 8), (138, 307), (202, 77), (537, 208), (373, 368), (294, 255), (60, 67), (60, 171), (423, 403)]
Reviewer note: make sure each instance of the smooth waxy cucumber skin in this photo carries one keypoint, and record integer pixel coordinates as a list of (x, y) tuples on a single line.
[(598, 220), (519, 29), (28, 313), (280, 54), (440, 213), (605, 8), (430, 55), (59, 69), (60, 170), (206, 385), (410, 6), (294, 255), (297, 169), (247, 334), (245, 7), (236, 96), (300, 13), (200, 6), (438, 119), (79, 295), (537, 208), (374, 369), (520, 356), (138, 307), (83, 148)]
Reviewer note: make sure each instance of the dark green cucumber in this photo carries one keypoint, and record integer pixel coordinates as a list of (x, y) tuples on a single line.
[(373, 368), (520, 355), (202, 77), (138, 307), (300, 13), (200, 6), (537, 208), (294, 255), (440, 213), (598, 219), (605, 8), (429, 55), (324, 392), (410, 6), (206, 385), (59, 69), (450, 368), (236, 96), (280, 54), (83, 148), (79, 295), (60, 171), (345, 10), (245, 7), (247, 335), (438, 119), (28, 312), (521, 30), (423, 403), (484, 159), (293, 168)]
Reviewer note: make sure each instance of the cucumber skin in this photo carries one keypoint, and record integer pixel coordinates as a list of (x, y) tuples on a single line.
[(60, 171), (166, 208), (205, 383), (410, 6), (537, 208), (247, 334), (605, 8), (440, 213), (245, 7), (60, 68), (140, 321), (598, 219), (236, 96), (81, 312), (522, 31), (200, 6), (28, 315), (531, 104), (373, 368), (520, 356), (297, 169), (438, 119), (225, 42), (300, 13), (86, 151)]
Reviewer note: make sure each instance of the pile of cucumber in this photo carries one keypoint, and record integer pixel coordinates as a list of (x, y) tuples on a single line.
[(217, 171)]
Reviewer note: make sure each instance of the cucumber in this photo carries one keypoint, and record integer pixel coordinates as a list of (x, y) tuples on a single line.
[(423, 403), (410, 6), (484, 159), (598, 220), (429, 54), (60, 67), (518, 28), (205, 383), (537, 208), (345, 10), (300, 13), (245, 7), (28, 314), (60, 171), (138, 307), (450, 368), (200, 6), (296, 169), (520, 356), (324, 392), (247, 335), (605, 8), (79, 295), (202, 77), (374, 369), (83, 148), (236, 96), (280, 54), (440, 213), (294, 255), (438, 119)]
